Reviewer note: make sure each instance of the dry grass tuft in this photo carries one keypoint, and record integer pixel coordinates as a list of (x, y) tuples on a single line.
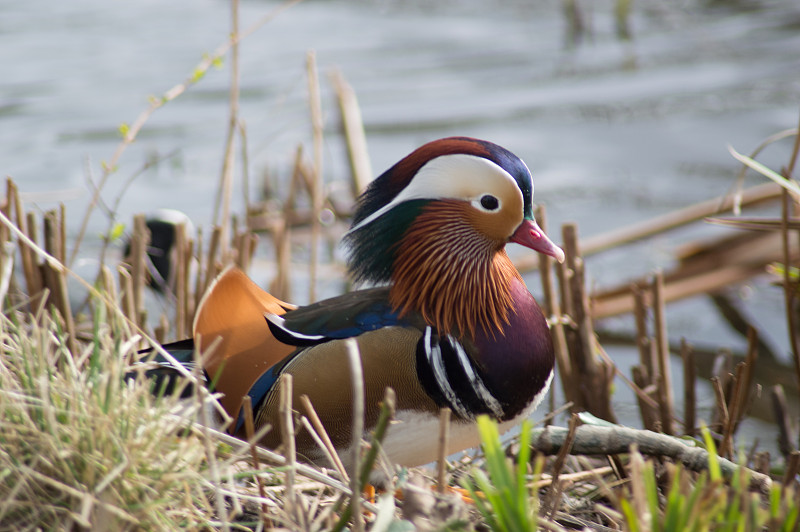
[(80, 446)]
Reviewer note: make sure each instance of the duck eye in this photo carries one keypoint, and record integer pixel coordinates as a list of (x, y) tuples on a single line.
[(489, 202)]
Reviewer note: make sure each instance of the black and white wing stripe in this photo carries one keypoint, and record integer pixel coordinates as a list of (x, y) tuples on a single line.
[(450, 377)]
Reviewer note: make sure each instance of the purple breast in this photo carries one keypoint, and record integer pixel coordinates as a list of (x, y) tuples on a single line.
[(515, 365)]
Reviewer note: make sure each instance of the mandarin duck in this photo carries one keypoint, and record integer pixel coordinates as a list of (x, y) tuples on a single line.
[(447, 323)]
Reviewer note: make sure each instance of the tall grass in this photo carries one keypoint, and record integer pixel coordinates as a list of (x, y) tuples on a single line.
[(80, 446)]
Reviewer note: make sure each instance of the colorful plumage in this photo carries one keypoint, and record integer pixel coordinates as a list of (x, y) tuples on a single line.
[(449, 322)]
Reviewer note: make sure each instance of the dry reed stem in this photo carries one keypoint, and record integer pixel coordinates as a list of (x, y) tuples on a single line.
[(180, 274), (211, 260), (786, 433), (184, 278), (32, 275), (357, 378), (249, 430), (244, 449), (719, 396), (353, 132), (553, 313), (693, 213), (735, 408), (126, 290), (664, 376), (689, 392), (444, 438), (594, 377), (792, 469), (281, 233), (245, 249), (638, 490), (578, 476), (319, 428), (287, 433), (245, 169), (750, 362), (118, 310), (672, 220), (315, 107), (554, 493), (643, 341), (563, 275), (55, 280), (788, 285), (222, 207), (281, 285), (648, 411), (138, 262), (584, 357), (202, 395)]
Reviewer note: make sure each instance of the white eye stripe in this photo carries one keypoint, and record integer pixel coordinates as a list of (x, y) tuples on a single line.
[(459, 176)]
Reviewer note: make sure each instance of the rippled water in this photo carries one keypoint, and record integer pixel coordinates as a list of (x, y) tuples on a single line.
[(615, 131)]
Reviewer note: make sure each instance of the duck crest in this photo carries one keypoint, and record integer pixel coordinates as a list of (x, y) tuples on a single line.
[(457, 280)]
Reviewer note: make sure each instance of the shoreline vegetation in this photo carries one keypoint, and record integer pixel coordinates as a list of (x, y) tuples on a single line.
[(84, 448)]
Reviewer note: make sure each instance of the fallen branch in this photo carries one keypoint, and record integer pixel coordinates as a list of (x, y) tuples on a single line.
[(596, 440)]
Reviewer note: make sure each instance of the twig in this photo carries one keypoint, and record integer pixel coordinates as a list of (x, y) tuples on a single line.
[(131, 132), (245, 168), (554, 492), (222, 207)]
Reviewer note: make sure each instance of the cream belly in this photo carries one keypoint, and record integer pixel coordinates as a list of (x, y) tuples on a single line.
[(413, 438)]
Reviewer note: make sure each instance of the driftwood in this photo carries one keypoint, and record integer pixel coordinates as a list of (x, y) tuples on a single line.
[(597, 440)]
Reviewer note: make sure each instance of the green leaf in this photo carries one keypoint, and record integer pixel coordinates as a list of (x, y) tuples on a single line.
[(788, 184), (198, 74), (117, 231), (590, 419), (713, 459), (630, 515)]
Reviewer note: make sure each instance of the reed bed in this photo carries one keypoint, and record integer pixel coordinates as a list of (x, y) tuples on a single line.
[(84, 447)]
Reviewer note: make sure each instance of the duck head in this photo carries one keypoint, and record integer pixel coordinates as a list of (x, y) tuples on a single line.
[(435, 226)]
